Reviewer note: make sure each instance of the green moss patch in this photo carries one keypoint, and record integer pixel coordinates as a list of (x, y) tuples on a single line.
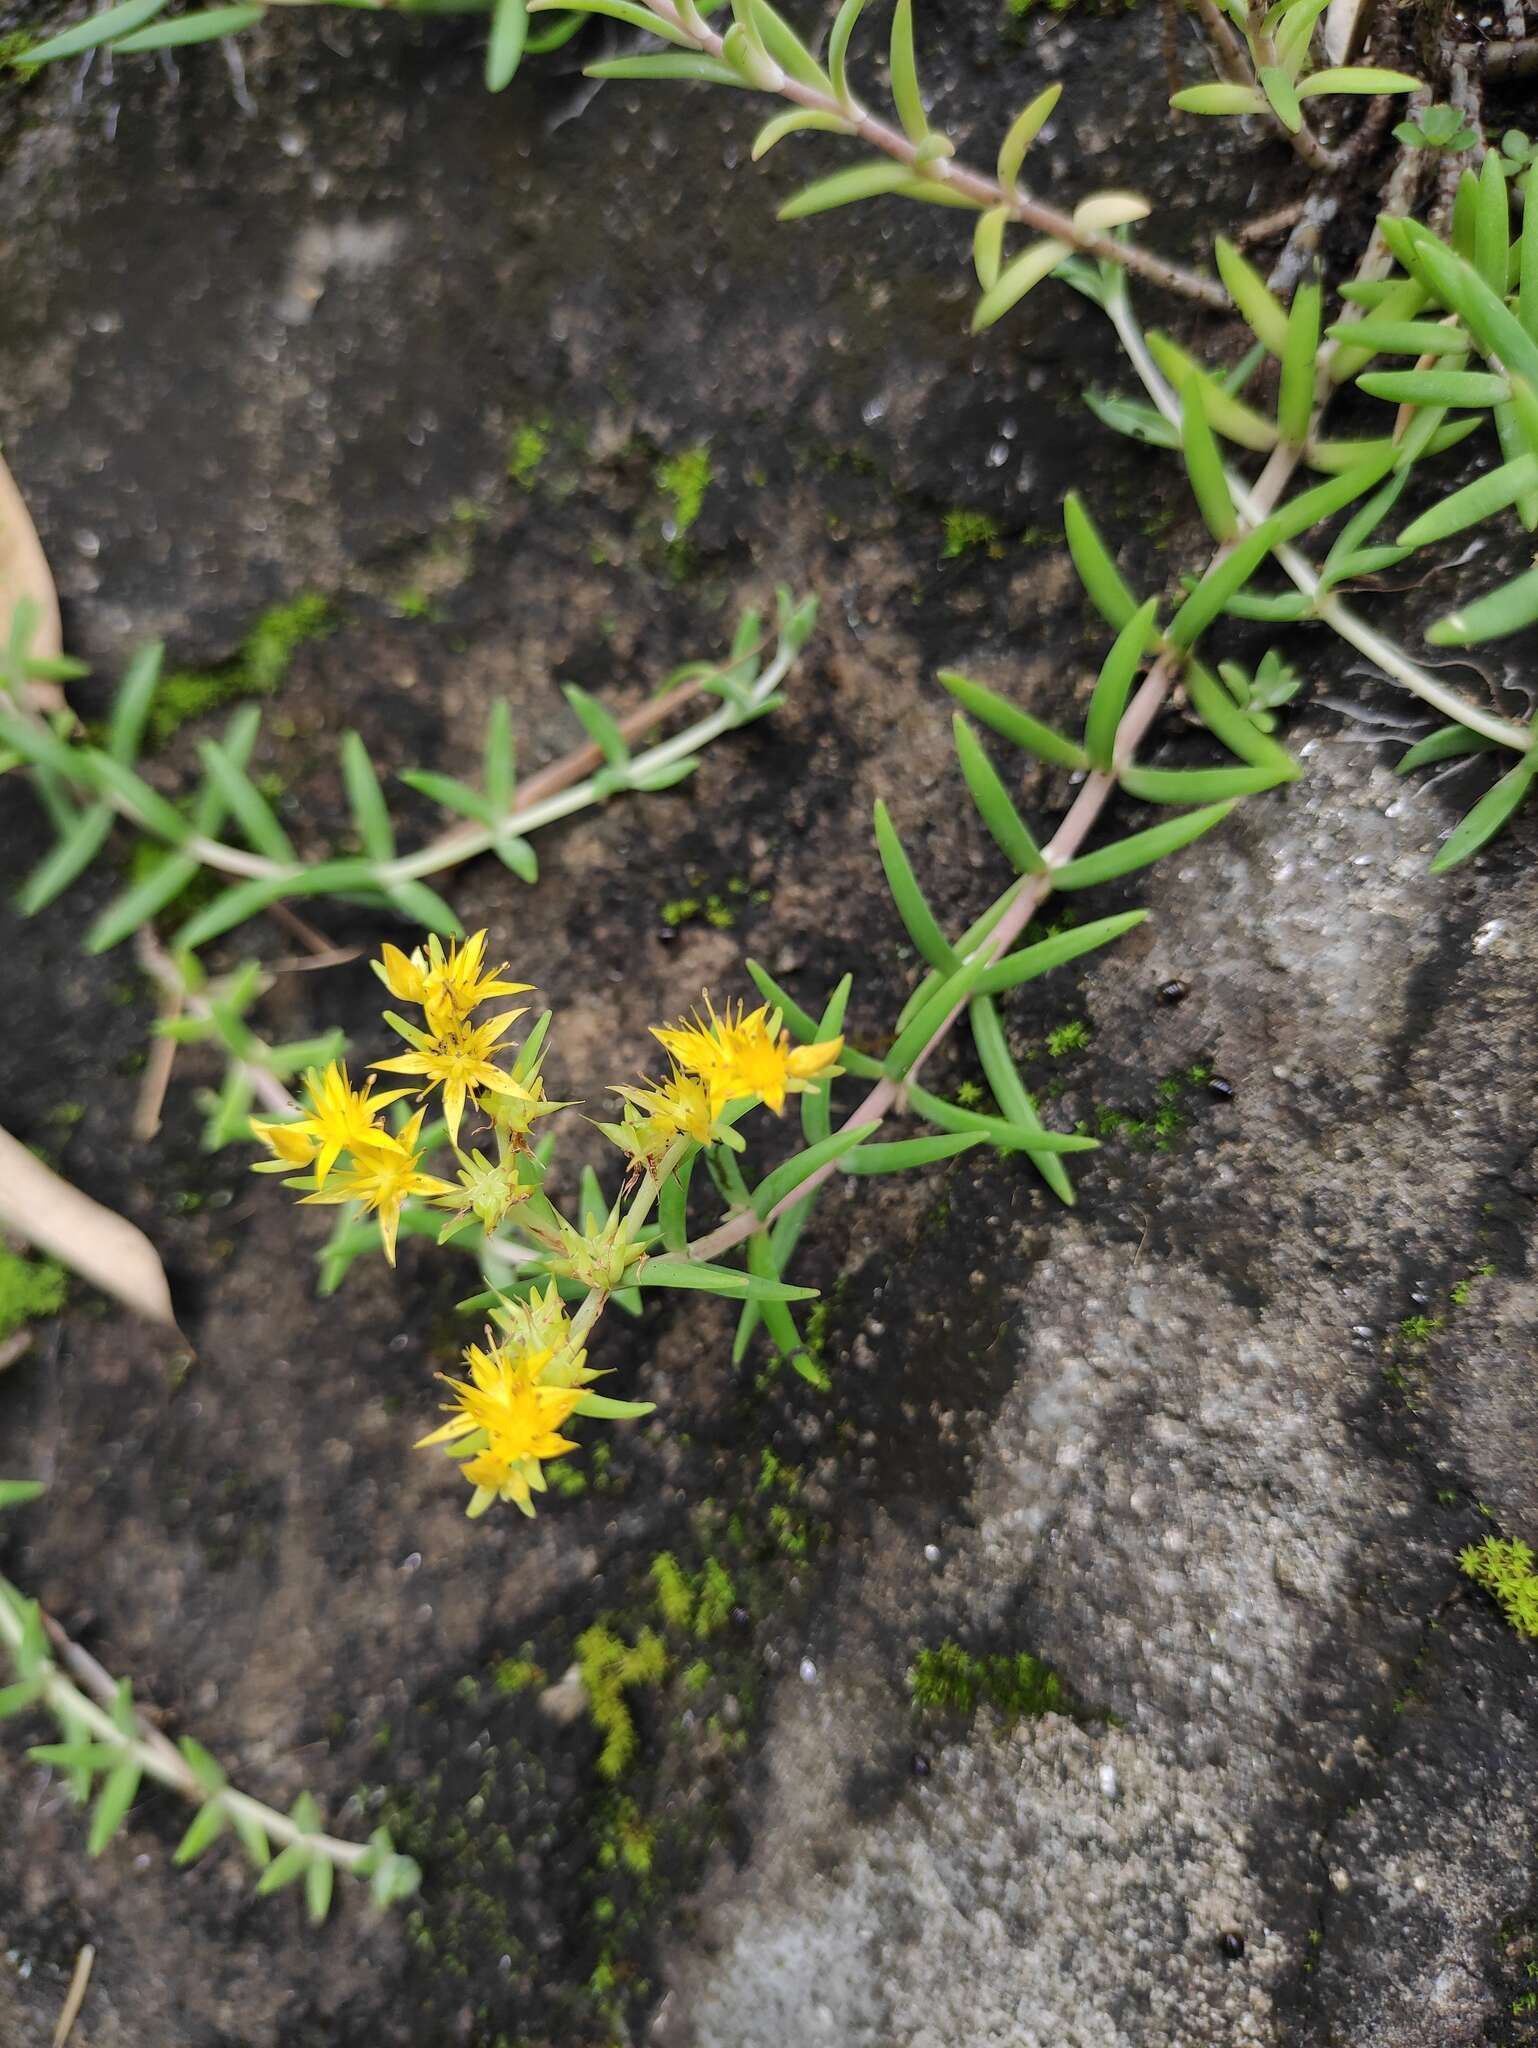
[(258, 668), (29, 1289), (950, 1680)]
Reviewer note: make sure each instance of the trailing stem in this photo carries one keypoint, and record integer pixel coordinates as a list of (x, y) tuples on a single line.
[(106, 1736), (986, 193)]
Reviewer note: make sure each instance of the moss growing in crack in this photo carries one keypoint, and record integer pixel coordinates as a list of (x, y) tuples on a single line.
[(951, 1680), (1170, 1115), (675, 1595), (718, 908), (717, 1598), (1068, 1038), (517, 1674), (1018, 12), (609, 1668), (969, 533), (625, 1839), (29, 1289), (257, 669), (1418, 1329), (1505, 1571), (1458, 1294), (699, 1605), (683, 480), (526, 451)]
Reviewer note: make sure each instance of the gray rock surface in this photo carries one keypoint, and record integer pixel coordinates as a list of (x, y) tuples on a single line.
[(1204, 1501)]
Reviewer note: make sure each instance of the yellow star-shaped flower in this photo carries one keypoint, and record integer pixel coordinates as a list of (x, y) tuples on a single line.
[(448, 986), (746, 1054), (512, 1420), (457, 1059), (341, 1118), (383, 1177)]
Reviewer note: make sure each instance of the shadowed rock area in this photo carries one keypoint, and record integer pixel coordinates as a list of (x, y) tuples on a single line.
[(1207, 1444)]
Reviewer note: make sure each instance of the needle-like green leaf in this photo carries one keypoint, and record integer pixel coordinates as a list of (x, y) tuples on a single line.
[(990, 709), (1024, 129), (205, 25), (131, 705), (77, 846), (993, 801), (1016, 279), (1262, 309), (838, 47), (1448, 743), (116, 1796), (912, 905), (903, 1154), (1506, 609), (245, 801), (699, 1276), (1103, 582), (1204, 465), (1198, 785), (1011, 1094), (1032, 961), (1139, 849), (1479, 500), (906, 96), (1488, 815), (844, 188), (1114, 685), (87, 35), (1300, 357)]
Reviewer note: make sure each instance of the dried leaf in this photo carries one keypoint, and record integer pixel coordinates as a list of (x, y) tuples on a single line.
[(101, 1247), (24, 572)]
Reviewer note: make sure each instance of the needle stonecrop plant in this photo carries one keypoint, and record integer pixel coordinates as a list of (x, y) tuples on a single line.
[(1427, 342)]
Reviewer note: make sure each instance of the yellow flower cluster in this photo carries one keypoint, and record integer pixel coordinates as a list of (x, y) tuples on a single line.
[(521, 1388), (349, 1154), (504, 1421), (506, 1417), (718, 1061), (453, 1053), (745, 1054)]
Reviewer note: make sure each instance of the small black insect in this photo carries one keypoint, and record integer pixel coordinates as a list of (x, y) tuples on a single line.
[(1231, 1945), (1220, 1090), (1174, 991)]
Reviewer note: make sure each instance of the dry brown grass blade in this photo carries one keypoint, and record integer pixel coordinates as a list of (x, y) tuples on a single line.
[(104, 1248), (74, 1998), (24, 572)]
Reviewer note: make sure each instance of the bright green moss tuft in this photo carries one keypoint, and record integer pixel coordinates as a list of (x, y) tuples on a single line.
[(967, 532), (1019, 1687), (29, 1288), (1505, 1571), (609, 1667), (257, 670), (684, 479)]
